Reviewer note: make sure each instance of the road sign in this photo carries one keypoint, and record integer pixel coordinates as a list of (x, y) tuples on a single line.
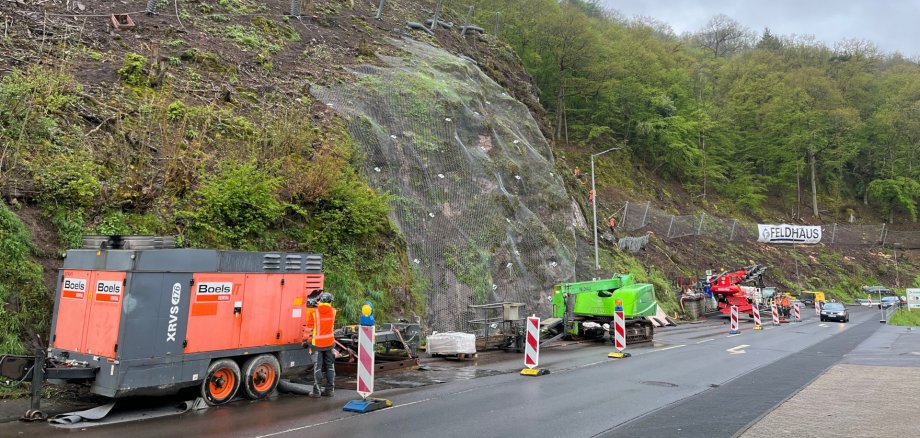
[(734, 325), (532, 349), (366, 361), (532, 346), (366, 335), (619, 330), (913, 299)]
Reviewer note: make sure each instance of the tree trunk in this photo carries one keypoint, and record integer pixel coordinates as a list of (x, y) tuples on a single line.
[(814, 183), (560, 110)]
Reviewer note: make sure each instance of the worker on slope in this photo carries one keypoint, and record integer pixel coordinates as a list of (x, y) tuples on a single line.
[(318, 334)]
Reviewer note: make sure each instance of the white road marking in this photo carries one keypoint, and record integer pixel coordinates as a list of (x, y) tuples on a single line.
[(732, 336), (823, 325), (295, 429), (738, 350), (668, 348), (706, 340)]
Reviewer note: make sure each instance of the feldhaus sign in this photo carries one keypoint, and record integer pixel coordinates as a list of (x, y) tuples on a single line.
[(785, 233)]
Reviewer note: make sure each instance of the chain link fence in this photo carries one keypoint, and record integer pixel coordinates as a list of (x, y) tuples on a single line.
[(635, 216)]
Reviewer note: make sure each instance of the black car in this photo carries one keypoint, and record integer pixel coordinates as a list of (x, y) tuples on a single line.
[(889, 302), (834, 311)]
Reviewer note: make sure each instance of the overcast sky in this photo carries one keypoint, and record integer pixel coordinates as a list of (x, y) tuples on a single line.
[(893, 25)]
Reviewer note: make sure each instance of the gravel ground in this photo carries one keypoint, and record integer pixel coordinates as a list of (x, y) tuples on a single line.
[(849, 401)]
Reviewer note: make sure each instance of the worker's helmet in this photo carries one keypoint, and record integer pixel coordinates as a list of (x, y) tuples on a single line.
[(311, 302), (326, 297)]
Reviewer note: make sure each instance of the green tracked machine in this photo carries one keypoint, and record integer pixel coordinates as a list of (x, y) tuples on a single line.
[(584, 310)]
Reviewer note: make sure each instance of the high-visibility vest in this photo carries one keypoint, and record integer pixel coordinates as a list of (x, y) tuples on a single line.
[(321, 325)]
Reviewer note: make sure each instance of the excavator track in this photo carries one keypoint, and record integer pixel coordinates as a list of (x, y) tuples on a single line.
[(638, 332)]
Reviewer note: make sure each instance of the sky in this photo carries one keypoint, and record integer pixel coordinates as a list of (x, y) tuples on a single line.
[(893, 25)]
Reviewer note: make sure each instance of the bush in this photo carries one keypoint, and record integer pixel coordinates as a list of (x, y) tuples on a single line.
[(235, 207), (68, 179), (133, 70), (24, 300)]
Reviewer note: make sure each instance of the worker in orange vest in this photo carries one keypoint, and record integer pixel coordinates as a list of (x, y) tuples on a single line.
[(318, 336), (786, 305)]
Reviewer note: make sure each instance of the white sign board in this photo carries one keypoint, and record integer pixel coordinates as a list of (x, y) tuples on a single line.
[(785, 233), (913, 299)]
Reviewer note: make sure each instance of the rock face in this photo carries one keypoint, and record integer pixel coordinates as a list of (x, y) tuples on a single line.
[(472, 180)]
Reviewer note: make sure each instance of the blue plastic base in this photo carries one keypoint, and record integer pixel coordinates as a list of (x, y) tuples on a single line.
[(734, 332), (369, 405)]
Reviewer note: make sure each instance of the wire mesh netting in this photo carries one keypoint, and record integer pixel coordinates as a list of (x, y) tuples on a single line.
[(484, 215), (641, 215)]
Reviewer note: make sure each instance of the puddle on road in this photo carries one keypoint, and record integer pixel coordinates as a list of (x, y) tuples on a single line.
[(427, 375)]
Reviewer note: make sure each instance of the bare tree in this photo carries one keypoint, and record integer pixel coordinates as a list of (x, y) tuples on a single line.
[(724, 36)]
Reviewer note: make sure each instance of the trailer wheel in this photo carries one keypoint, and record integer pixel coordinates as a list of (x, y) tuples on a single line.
[(261, 374), (222, 382)]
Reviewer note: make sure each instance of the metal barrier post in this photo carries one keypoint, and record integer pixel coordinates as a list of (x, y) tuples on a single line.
[(152, 7), (834, 234), (882, 237), (699, 230), (469, 20), (671, 225), (498, 20), (648, 205), (295, 8), (437, 13), (625, 214), (380, 9), (732, 236)]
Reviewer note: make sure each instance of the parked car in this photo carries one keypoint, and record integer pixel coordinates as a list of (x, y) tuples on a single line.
[(889, 302), (835, 311)]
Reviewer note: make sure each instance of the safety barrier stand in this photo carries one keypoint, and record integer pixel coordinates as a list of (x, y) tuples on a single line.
[(796, 313), (366, 336), (619, 332), (756, 309), (775, 313), (532, 349), (734, 326)]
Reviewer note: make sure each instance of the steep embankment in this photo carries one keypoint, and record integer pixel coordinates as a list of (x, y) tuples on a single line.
[(233, 125)]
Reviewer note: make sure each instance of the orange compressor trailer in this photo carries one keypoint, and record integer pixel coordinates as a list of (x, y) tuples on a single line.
[(154, 321)]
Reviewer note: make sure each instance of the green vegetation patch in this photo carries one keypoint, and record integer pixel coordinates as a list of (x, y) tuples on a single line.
[(904, 317), (24, 300)]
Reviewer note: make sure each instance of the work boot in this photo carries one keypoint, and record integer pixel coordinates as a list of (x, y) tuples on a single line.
[(314, 394), (327, 392)]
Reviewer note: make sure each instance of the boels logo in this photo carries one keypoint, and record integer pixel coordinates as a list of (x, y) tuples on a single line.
[(214, 291), (108, 290), (74, 288)]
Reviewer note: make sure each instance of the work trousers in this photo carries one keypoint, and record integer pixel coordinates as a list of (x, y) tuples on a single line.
[(323, 366)]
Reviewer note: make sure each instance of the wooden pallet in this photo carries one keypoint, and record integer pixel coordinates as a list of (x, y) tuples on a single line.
[(458, 356)]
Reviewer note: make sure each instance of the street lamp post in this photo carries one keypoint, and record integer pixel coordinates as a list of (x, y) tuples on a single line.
[(597, 265)]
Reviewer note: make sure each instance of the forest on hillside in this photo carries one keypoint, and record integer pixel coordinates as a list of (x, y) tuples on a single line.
[(748, 116)]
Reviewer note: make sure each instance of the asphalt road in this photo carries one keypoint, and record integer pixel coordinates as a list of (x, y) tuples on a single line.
[(696, 380)]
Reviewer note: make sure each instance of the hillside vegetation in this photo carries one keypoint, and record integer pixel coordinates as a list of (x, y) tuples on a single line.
[(771, 124), (203, 124)]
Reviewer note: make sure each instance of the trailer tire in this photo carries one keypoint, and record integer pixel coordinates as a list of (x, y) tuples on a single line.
[(260, 376), (221, 383)]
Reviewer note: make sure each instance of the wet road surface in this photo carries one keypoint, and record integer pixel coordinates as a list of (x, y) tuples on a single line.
[(586, 394)]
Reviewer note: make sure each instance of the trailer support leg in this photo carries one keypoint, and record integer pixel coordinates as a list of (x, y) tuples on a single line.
[(38, 377)]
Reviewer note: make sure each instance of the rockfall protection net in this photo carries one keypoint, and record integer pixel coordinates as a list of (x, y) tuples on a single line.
[(635, 216), (484, 214)]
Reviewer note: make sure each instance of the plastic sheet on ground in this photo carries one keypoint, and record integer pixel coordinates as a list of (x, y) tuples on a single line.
[(107, 414)]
